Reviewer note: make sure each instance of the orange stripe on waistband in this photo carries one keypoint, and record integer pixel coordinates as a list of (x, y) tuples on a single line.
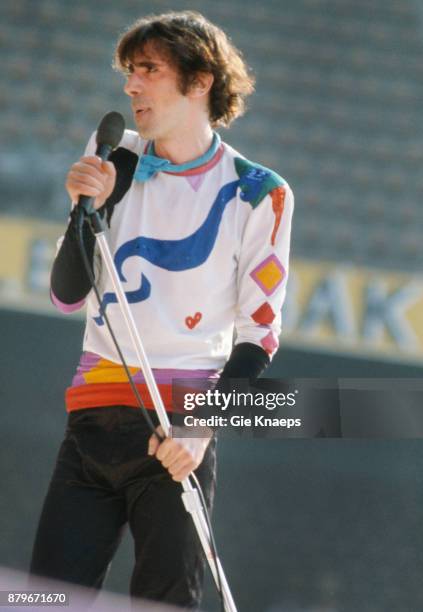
[(113, 394)]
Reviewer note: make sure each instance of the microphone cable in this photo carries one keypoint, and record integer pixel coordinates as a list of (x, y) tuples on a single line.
[(80, 219), (213, 547)]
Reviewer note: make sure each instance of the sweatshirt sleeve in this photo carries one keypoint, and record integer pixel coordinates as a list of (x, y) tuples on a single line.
[(69, 281), (264, 261)]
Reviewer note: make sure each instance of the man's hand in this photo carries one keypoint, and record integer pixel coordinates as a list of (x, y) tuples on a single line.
[(180, 455), (91, 177)]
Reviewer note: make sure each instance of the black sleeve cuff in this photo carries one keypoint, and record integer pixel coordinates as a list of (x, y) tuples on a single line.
[(69, 280), (246, 361), (245, 364)]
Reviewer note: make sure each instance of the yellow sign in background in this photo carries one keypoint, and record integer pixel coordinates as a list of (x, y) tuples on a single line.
[(334, 307), (359, 310)]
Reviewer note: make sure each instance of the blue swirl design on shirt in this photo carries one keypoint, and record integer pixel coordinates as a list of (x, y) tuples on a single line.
[(133, 297), (171, 255)]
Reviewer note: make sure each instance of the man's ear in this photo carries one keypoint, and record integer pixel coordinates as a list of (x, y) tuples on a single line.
[(201, 84)]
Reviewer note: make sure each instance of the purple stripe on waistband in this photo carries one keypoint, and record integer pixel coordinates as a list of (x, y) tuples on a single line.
[(88, 360), (65, 308), (170, 374), (86, 363)]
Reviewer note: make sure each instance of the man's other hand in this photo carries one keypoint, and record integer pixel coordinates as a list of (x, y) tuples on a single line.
[(180, 455)]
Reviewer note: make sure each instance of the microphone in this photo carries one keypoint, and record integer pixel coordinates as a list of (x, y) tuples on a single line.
[(109, 135)]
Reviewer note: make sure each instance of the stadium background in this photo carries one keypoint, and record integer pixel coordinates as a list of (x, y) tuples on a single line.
[(302, 525)]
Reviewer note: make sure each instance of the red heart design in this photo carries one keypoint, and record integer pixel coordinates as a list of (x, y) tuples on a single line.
[(191, 322)]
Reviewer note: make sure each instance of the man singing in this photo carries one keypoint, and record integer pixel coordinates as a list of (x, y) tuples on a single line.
[(200, 236)]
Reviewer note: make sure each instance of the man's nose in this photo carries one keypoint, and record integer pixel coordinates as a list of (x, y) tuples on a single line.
[(134, 85)]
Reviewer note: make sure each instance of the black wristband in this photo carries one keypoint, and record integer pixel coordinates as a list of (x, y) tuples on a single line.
[(69, 280), (245, 364), (246, 361)]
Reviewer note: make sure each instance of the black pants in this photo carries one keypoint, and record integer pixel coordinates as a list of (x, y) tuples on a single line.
[(104, 480)]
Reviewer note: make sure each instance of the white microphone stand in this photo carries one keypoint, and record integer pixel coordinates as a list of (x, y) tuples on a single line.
[(190, 496)]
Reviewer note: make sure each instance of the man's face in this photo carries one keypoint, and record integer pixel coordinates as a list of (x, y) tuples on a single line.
[(160, 110)]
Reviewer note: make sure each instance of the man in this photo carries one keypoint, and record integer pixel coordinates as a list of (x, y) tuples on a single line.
[(201, 237)]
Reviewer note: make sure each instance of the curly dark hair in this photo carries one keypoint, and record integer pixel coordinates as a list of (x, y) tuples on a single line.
[(193, 44)]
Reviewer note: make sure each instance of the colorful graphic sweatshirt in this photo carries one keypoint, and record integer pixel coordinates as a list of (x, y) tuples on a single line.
[(203, 259)]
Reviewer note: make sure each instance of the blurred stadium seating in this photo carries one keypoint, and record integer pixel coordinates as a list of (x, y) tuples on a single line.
[(339, 94)]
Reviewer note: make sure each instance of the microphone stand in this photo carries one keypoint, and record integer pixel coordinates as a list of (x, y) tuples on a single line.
[(190, 495)]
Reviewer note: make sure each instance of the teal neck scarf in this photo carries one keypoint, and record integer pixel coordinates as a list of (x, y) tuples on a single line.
[(149, 164)]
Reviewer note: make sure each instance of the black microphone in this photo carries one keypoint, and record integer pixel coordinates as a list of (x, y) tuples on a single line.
[(109, 135)]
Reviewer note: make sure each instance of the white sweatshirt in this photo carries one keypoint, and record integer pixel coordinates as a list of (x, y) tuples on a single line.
[(201, 253)]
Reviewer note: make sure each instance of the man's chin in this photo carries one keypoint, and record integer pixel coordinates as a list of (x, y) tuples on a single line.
[(145, 133)]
